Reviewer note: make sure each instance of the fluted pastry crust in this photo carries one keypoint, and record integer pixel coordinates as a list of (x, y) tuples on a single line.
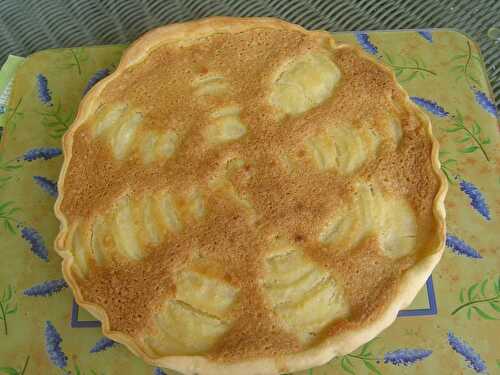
[(244, 196)]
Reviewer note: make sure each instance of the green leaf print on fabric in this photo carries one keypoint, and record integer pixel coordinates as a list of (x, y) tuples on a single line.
[(363, 356), (468, 137), (6, 168), (465, 65), (9, 165), (13, 371), (73, 58), (448, 166), (7, 307), (13, 115), (9, 221), (407, 68), (56, 120), (79, 371), (477, 300), (347, 365)]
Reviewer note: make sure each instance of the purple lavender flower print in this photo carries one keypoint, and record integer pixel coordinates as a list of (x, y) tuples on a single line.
[(406, 357), (461, 248), (36, 241), (44, 153), (477, 200), (46, 288), (473, 359), (100, 74), (364, 41), (43, 90), (49, 186), (430, 106), (103, 344), (53, 346), (485, 102), (426, 34)]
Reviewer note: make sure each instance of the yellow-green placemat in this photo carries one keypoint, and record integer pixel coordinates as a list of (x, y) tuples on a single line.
[(451, 328)]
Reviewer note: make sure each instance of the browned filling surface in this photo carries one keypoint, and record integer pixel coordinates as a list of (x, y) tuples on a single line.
[(291, 203)]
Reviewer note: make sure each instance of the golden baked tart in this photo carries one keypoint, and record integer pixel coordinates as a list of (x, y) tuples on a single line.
[(244, 196)]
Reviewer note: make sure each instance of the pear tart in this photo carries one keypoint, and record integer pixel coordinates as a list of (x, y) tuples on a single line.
[(244, 196)]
